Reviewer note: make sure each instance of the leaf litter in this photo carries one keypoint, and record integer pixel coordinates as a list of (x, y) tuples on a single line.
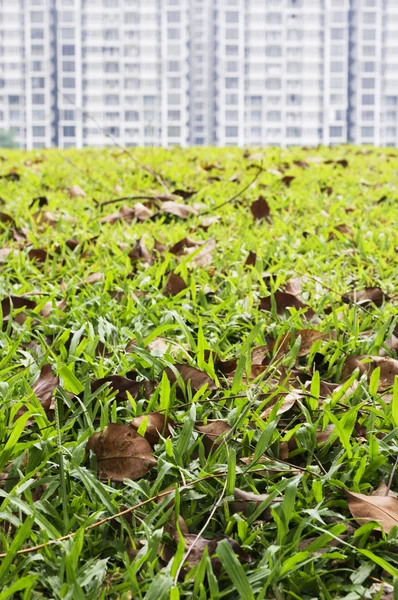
[(241, 391)]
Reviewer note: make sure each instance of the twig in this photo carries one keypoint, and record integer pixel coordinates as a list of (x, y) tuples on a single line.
[(260, 169), (198, 536), (117, 515)]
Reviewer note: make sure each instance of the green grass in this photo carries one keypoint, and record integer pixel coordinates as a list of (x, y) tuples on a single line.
[(333, 228)]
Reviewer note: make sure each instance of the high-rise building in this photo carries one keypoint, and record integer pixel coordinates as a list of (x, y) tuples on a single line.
[(199, 72)]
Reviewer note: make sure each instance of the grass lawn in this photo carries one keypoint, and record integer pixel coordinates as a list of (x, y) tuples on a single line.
[(214, 357)]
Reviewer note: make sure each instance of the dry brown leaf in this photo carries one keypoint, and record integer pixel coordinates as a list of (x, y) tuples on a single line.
[(5, 253), (308, 339), (251, 259), (260, 208), (207, 222), (16, 303), (121, 453), (38, 255), (185, 194), (290, 400), (48, 308), (179, 210), (157, 426), (283, 301), (140, 252), (205, 256), (7, 219), (214, 432), (95, 277), (195, 377), (142, 212), (174, 285), (370, 295), (383, 509), (181, 246), (124, 214), (383, 490), (391, 344), (44, 387), (121, 385), (388, 368), (294, 286), (76, 192)]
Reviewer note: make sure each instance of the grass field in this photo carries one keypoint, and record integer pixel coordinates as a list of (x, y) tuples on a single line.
[(214, 357)]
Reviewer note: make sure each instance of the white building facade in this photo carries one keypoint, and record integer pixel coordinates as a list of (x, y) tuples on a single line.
[(77, 73)]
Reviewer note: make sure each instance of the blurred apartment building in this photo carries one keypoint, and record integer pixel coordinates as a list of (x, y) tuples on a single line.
[(199, 72)]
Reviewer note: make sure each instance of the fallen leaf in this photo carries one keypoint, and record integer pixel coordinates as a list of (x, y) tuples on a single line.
[(158, 425), (174, 285), (44, 387), (159, 345), (38, 255), (383, 490), (383, 509), (124, 214), (260, 208), (289, 401), (179, 210), (40, 201), (76, 192), (13, 175), (196, 378), (287, 179), (121, 453), (283, 301), (205, 256), (140, 252), (180, 247), (121, 385), (294, 286), (214, 432), (388, 368), (308, 339), (5, 253), (251, 259), (94, 277), (207, 222), (16, 303), (7, 219), (185, 194), (370, 295), (48, 308), (391, 344)]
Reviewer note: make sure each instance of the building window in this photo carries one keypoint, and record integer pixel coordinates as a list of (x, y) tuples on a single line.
[(68, 82), (38, 131), (69, 131), (173, 131), (335, 131), (37, 98), (68, 115), (37, 83), (368, 99), (367, 131), (37, 34), (231, 131), (68, 50), (68, 66)]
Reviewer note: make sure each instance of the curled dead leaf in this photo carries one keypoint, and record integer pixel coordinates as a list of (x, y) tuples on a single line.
[(191, 375), (123, 385), (383, 509), (174, 285), (289, 401), (183, 211), (182, 245), (213, 434), (205, 255), (76, 192), (121, 453), (283, 301), (16, 303), (157, 426), (370, 295)]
